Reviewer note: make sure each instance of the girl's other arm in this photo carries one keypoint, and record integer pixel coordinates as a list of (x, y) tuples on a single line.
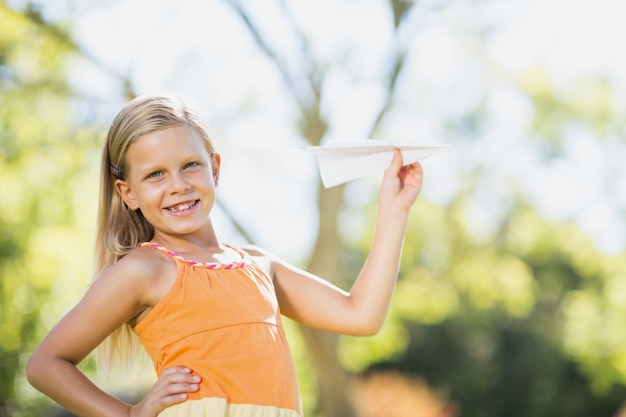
[(362, 311), (112, 300)]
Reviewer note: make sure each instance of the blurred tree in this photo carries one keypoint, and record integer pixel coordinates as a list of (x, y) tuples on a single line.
[(43, 161), (523, 322), (510, 322), (305, 85), (503, 310)]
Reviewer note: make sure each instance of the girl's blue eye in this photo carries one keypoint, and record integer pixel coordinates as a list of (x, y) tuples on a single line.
[(155, 174), (191, 164)]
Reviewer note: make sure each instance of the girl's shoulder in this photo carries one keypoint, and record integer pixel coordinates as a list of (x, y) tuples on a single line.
[(271, 263), (261, 257), (141, 263), (146, 273)]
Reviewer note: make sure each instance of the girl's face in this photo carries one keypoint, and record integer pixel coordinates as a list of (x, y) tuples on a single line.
[(172, 178)]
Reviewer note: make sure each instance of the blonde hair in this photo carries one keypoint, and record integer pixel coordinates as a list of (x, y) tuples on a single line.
[(120, 229)]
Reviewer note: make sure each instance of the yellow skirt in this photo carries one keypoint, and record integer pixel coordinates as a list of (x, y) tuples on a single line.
[(218, 407)]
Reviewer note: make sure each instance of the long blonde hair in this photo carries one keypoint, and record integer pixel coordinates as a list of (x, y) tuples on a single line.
[(120, 229)]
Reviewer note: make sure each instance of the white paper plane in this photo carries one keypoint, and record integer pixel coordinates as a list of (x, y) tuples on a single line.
[(340, 161)]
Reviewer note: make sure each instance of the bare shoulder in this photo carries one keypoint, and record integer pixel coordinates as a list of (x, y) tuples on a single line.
[(263, 258), (277, 267), (141, 271), (135, 265), (146, 260), (253, 250)]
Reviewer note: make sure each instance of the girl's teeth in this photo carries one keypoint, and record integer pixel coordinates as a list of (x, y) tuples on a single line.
[(182, 207)]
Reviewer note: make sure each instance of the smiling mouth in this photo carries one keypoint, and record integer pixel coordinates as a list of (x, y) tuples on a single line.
[(183, 206)]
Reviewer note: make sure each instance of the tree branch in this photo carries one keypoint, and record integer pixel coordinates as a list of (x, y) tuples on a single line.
[(33, 13)]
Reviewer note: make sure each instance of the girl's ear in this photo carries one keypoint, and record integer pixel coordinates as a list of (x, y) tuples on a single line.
[(216, 160), (124, 191)]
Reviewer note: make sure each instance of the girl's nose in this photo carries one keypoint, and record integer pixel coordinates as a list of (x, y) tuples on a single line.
[(179, 182)]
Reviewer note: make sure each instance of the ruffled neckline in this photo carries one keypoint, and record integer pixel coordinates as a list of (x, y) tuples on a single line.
[(208, 265)]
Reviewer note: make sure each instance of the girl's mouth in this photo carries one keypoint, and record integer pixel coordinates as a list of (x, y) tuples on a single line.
[(182, 206)]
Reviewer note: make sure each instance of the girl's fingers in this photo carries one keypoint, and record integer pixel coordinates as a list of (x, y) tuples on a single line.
[(175, 370), (173, 387), (396, 163), (401, 183), (176, 382), (412, 174), (176, 393)]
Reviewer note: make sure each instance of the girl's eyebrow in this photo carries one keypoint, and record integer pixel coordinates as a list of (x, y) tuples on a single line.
[(150, 167), (145, 169)]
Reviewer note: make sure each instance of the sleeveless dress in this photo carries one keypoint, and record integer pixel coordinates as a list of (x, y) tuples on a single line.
[(223, 322)]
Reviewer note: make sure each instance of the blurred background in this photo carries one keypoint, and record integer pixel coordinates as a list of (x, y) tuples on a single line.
[(511, 299)]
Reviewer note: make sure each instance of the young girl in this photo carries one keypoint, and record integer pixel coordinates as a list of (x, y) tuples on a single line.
[(208, 314)]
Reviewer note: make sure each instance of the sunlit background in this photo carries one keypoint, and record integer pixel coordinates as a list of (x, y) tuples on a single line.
[(462, 56), (512, 296)]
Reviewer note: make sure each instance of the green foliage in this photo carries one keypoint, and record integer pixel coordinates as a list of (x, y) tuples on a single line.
[(588, 101), (528, 324), (43, 178), (525, 320)]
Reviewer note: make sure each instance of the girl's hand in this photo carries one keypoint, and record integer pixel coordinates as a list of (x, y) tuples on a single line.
[(401, 184), (171, 388)]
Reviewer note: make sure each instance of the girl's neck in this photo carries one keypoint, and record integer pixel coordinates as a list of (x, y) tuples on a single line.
[(202, 240)]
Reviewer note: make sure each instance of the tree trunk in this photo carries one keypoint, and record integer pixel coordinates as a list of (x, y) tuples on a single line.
[(332, 379)]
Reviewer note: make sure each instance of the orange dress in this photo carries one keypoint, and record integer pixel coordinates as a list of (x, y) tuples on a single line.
[(223, 322)]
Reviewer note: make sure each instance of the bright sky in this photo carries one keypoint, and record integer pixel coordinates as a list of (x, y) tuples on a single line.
[(199, 49)]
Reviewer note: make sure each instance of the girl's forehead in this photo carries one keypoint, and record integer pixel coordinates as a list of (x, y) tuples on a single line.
[(166, 144), (176, 137)]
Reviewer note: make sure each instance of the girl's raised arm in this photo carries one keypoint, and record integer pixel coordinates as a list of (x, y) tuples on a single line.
[(361, 311)]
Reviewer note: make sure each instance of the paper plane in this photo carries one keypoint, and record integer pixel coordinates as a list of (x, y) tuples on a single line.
[(340, 161)]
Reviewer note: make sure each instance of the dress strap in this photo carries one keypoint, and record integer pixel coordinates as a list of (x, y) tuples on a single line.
[(208, 265)]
